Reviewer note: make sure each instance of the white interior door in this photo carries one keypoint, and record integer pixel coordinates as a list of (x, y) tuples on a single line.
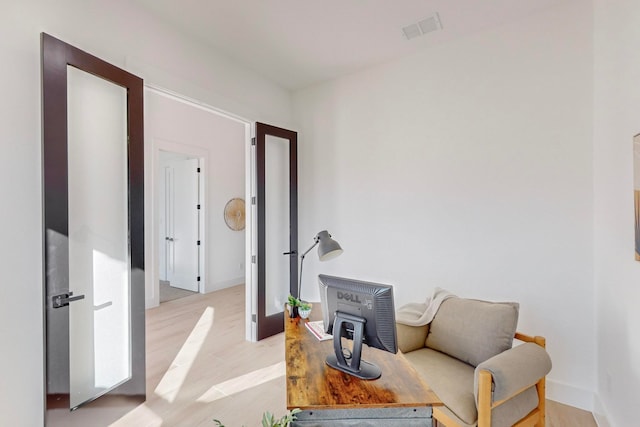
[(182, 223)]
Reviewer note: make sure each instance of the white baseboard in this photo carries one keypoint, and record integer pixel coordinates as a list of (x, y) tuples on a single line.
[(579, 398), (226, 284), (600, 413), (570, 395)]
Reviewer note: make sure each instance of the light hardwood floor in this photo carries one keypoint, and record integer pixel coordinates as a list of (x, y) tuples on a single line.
[(200, 368)]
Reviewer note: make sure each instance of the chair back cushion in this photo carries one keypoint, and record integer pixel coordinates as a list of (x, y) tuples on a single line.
[(471, 330)]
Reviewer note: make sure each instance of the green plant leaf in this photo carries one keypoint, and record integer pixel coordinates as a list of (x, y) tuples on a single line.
[(268, 420), (305, 306), (293, 301)]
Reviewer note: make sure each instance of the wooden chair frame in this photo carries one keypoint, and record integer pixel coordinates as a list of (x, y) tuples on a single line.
[(535, 418)]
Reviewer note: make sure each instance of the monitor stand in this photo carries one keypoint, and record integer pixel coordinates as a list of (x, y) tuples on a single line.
[(357, 367)]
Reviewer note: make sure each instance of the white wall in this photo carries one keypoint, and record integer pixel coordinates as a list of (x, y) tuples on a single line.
[(120, 33), (617, 274), (467, 166)]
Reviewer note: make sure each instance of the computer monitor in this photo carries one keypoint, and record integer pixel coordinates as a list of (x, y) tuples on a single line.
[(362, 312)]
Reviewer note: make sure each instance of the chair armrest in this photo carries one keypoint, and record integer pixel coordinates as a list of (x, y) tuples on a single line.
[(514, 370), (541, 341), (411, 338)]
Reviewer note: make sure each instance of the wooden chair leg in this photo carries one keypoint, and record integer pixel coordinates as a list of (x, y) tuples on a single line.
[(441, 419), (484, 399), (541, 387)]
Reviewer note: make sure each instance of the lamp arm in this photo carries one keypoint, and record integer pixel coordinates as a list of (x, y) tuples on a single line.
[(302, 263)]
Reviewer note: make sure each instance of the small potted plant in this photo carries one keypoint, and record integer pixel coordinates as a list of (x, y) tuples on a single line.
[(293, 304), (269, 420), (304, 309)]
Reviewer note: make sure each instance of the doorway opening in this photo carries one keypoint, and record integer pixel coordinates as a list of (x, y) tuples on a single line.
[(178, 131)]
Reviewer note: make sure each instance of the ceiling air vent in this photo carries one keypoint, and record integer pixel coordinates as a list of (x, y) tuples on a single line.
[(411, 31), (423, 27)]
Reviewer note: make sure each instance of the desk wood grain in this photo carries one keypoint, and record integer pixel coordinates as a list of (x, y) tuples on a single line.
[(311, 384)]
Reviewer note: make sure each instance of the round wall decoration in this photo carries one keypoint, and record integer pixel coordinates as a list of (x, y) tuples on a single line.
[(234, 214)]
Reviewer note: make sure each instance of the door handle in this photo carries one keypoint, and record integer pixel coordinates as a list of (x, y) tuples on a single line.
[(63, 300), (169, 239), (289, 253)]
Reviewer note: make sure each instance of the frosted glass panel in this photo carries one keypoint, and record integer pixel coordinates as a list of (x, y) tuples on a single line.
[(276, 223), (99, 324)]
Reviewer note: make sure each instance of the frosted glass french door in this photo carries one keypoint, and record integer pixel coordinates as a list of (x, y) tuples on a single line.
[(93, 235), (277, 212), (277, 223), (99, 324)]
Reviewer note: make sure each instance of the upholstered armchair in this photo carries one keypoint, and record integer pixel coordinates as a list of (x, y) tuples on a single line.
[(466, 353)]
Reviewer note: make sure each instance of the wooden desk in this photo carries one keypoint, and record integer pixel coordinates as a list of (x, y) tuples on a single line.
[(329, 397)]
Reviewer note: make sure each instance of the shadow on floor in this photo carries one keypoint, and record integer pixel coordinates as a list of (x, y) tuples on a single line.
[(169, 293)]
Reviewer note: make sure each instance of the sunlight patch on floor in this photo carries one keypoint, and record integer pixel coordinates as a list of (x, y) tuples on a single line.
[(172, 381), (142, 415), (243, 382)]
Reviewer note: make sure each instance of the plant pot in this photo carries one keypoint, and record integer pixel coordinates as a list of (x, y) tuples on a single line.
[(304, 313)]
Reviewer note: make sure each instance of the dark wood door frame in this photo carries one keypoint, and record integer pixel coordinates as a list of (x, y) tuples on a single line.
[(56, 57), (274, 324)]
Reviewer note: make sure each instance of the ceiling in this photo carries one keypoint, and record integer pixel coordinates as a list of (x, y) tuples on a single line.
[(297, 43)]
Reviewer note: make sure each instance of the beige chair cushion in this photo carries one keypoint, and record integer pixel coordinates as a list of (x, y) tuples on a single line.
[(505, 415), (450, 379), (471, 330), (450, 415), (411, 337), (515, 369), (514, 409)]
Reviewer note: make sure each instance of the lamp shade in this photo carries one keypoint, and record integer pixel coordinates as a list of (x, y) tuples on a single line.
[(327, 248)]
